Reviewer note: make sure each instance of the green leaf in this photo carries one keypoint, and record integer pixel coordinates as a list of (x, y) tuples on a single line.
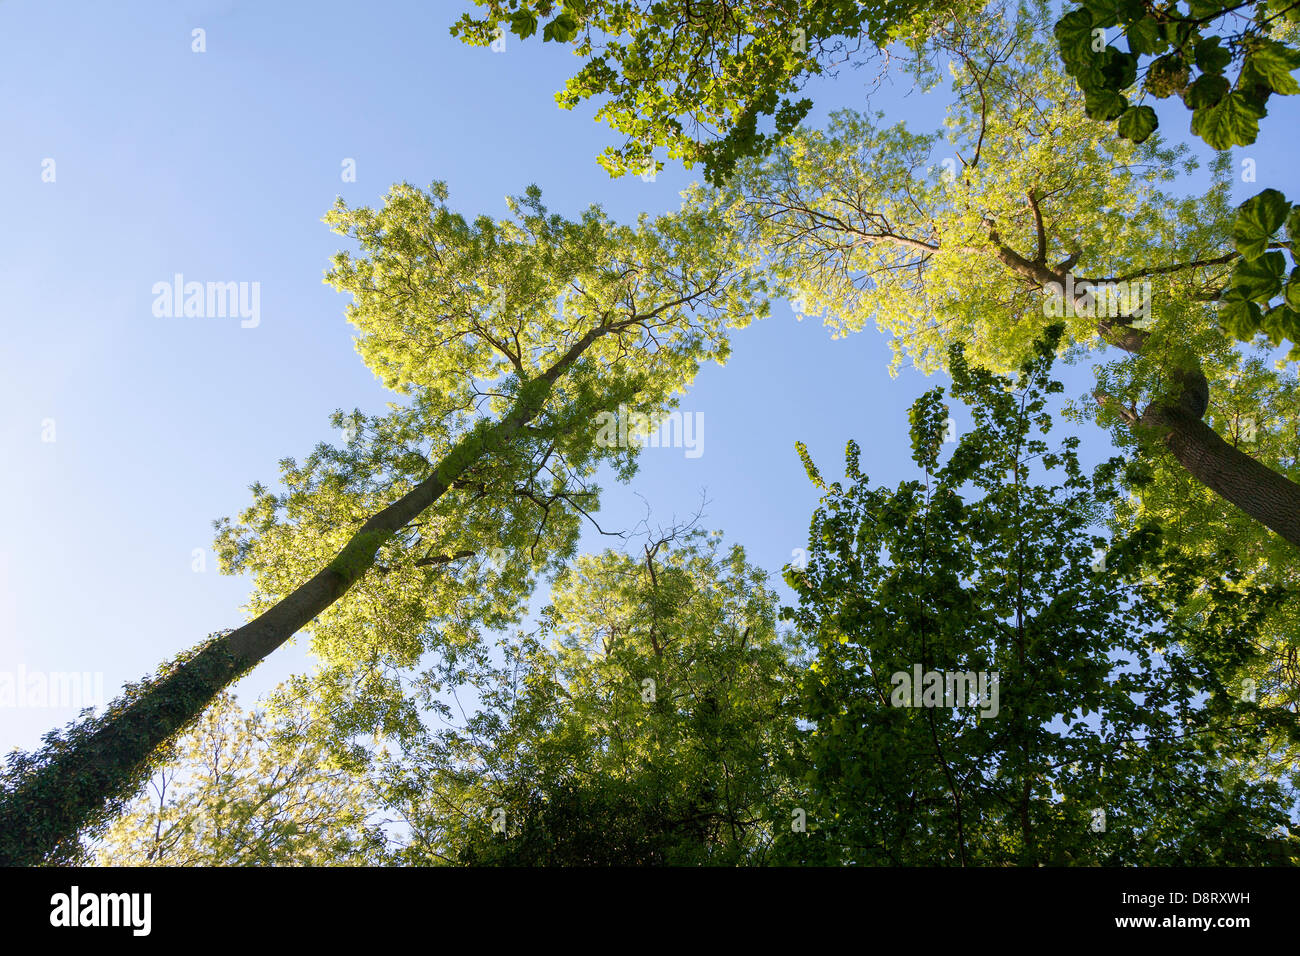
[(1118, 68), (562, 29), (1270, 64), (1280, 323), (1233, 121), (1260, 279), (1106, 13), (1238, 316), (1291, 294), (1145, 37), (1210, 56), (1257, 219), (1137, 123), (523, 23), (1074, 34), (1104, 105), (1293, 227), (1205, 92)]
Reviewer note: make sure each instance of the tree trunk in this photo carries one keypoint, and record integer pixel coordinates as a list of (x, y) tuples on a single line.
[(79, 784), (1270, 498)]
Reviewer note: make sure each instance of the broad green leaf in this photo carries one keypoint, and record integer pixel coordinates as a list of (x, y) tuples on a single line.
[(1211, 57), (1257, 220), (1260, 279), (1292, 291), (523, 23), (1104, 105), (562, 29), (1233, 121), (1146, 37), (1074, 33), (1137, 123), (1206, 90), (1270, 63)]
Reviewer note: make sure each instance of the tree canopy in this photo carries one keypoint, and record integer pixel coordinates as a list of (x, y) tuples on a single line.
[(1110, 726)]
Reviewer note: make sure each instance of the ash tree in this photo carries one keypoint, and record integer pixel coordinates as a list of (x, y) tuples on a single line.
[(696, 79), (647, 720), (247, 788), (434, 518), (1120, 731), (1024, 212)]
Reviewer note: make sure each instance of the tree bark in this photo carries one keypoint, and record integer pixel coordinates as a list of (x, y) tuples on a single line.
[(1268, 496), (73, 786)]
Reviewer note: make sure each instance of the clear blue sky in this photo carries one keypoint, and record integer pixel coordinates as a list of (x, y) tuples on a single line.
[(219, 166)]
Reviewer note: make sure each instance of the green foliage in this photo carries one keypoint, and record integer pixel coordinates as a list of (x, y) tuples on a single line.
[(1257, 39), (78, 782), (246, 789), (697, 78), (645, 722), (1119, 682), (1260, 296), (508, 339), (934, 236)]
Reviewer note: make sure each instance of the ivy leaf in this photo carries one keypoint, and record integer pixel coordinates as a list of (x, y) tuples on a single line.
[(1137, 123), (1233, 121), (1257, 219)]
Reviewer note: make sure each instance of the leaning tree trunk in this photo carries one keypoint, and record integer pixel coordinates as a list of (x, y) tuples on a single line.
[(1179, 426), (76, 783), (1266, 495)]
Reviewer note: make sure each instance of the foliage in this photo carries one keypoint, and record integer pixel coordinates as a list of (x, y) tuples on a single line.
[(697, 77), (245, 789), (70, 789), (970, 236), (1187, 47), (1121, 735), (1190, 48), (645, 722), (469, 320)]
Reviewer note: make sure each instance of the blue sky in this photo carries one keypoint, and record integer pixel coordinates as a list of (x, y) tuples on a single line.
[(219, 165)]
